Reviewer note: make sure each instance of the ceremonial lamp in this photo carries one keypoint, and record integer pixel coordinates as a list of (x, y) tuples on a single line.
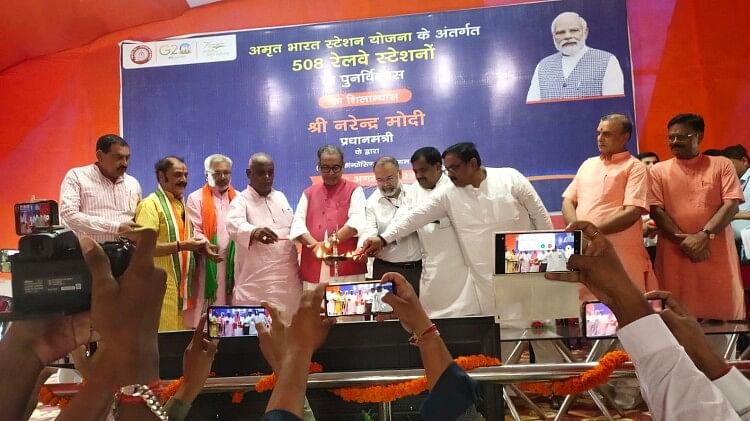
[(333, 244)]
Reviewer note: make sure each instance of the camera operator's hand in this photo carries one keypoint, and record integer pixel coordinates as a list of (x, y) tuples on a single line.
[(126, 313), (127, 227), (689, 334), (196, 363), (601, 271), (405, 303), (272, 339), (294, 348)]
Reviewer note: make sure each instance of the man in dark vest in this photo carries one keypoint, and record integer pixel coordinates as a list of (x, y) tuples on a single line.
[(576, 70)]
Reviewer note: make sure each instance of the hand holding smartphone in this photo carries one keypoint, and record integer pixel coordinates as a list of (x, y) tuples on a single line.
[(535, 251), (235, 321), (357, 299)]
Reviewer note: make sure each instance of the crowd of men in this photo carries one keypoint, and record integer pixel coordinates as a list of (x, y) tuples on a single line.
[(220, 246)]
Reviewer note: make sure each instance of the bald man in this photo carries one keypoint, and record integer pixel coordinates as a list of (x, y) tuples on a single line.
[(259, 221)]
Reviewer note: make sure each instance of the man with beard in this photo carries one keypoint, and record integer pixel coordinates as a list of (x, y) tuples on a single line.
[(164, 211), (480, 202), (383, 206), (99, 200), (575, 70), (693, 199), (207, 209)]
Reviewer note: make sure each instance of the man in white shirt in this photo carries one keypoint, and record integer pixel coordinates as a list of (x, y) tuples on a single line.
[(99, 200), (480, 202), (673, 387), (576, 70), (383, 206)]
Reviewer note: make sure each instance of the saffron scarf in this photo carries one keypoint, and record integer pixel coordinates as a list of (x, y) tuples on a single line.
[(210, 230), (179, 228)]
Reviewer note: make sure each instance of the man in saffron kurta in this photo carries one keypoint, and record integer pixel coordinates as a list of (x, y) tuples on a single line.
[(335, 206), (259, 221), (207, 209), (693, 198), (164, 211), (611, 191)]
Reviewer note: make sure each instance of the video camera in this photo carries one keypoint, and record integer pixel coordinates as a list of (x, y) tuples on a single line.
[(49, 275)]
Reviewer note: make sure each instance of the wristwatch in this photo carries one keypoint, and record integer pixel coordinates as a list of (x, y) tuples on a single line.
[(708, 232)]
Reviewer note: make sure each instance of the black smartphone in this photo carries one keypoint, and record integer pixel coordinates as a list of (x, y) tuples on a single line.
[(535, 251), (357, 299), (235, 321), (36, 216), (600, 322)]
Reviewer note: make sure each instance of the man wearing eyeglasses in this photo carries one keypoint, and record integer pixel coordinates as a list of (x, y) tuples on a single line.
[(480, 202), (383, 206), (693, 198), (333, 208), (207, 209)]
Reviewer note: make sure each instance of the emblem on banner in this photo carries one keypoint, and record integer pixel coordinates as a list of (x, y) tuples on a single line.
[(141, 54)]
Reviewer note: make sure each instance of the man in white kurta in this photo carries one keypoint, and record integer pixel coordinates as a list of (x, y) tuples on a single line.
[(259, 221), (219, 191), (480, 202), (445, 287)]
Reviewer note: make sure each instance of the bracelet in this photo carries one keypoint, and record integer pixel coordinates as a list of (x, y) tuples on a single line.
[(416, 340), (137, 393), (178, 245)]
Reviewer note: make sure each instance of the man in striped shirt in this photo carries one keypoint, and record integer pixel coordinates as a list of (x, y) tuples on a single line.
[(99, 200)]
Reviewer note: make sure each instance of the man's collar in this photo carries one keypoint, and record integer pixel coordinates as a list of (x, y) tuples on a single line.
[(578, 54)]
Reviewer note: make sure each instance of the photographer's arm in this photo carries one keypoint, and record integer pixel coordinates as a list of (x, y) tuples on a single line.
[(20, 370)]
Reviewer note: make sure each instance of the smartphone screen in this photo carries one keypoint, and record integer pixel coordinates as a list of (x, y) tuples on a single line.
[(357, 299), (235, 321), (35, 215), (535, 251), (600, 322)]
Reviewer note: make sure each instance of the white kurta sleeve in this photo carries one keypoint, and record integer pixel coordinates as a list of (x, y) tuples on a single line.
[(239, 228), (371, 225), (432, 210), (299, 223), (535, 93), (357, 205), (613, 82), (524, 192), (672, 386), (736, 389)]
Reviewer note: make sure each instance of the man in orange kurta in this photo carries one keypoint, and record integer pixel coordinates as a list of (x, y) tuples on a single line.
[(693, 198), (611, 190)]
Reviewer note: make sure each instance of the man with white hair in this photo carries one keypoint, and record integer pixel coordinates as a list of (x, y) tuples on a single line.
[(576, 70), (207, 209)]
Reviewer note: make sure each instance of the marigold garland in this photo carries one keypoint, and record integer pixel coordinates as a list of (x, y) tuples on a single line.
[(585, 381), (392, 392), (267, 383)]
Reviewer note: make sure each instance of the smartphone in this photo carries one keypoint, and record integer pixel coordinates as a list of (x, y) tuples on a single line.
[(357, 299), (535, 251), (600, 322), (36, 216), (235, 321)]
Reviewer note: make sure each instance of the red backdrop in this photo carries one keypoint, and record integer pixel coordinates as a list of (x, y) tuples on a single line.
[(688, 55)]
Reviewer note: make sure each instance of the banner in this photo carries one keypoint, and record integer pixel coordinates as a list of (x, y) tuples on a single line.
[(388, 86)]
